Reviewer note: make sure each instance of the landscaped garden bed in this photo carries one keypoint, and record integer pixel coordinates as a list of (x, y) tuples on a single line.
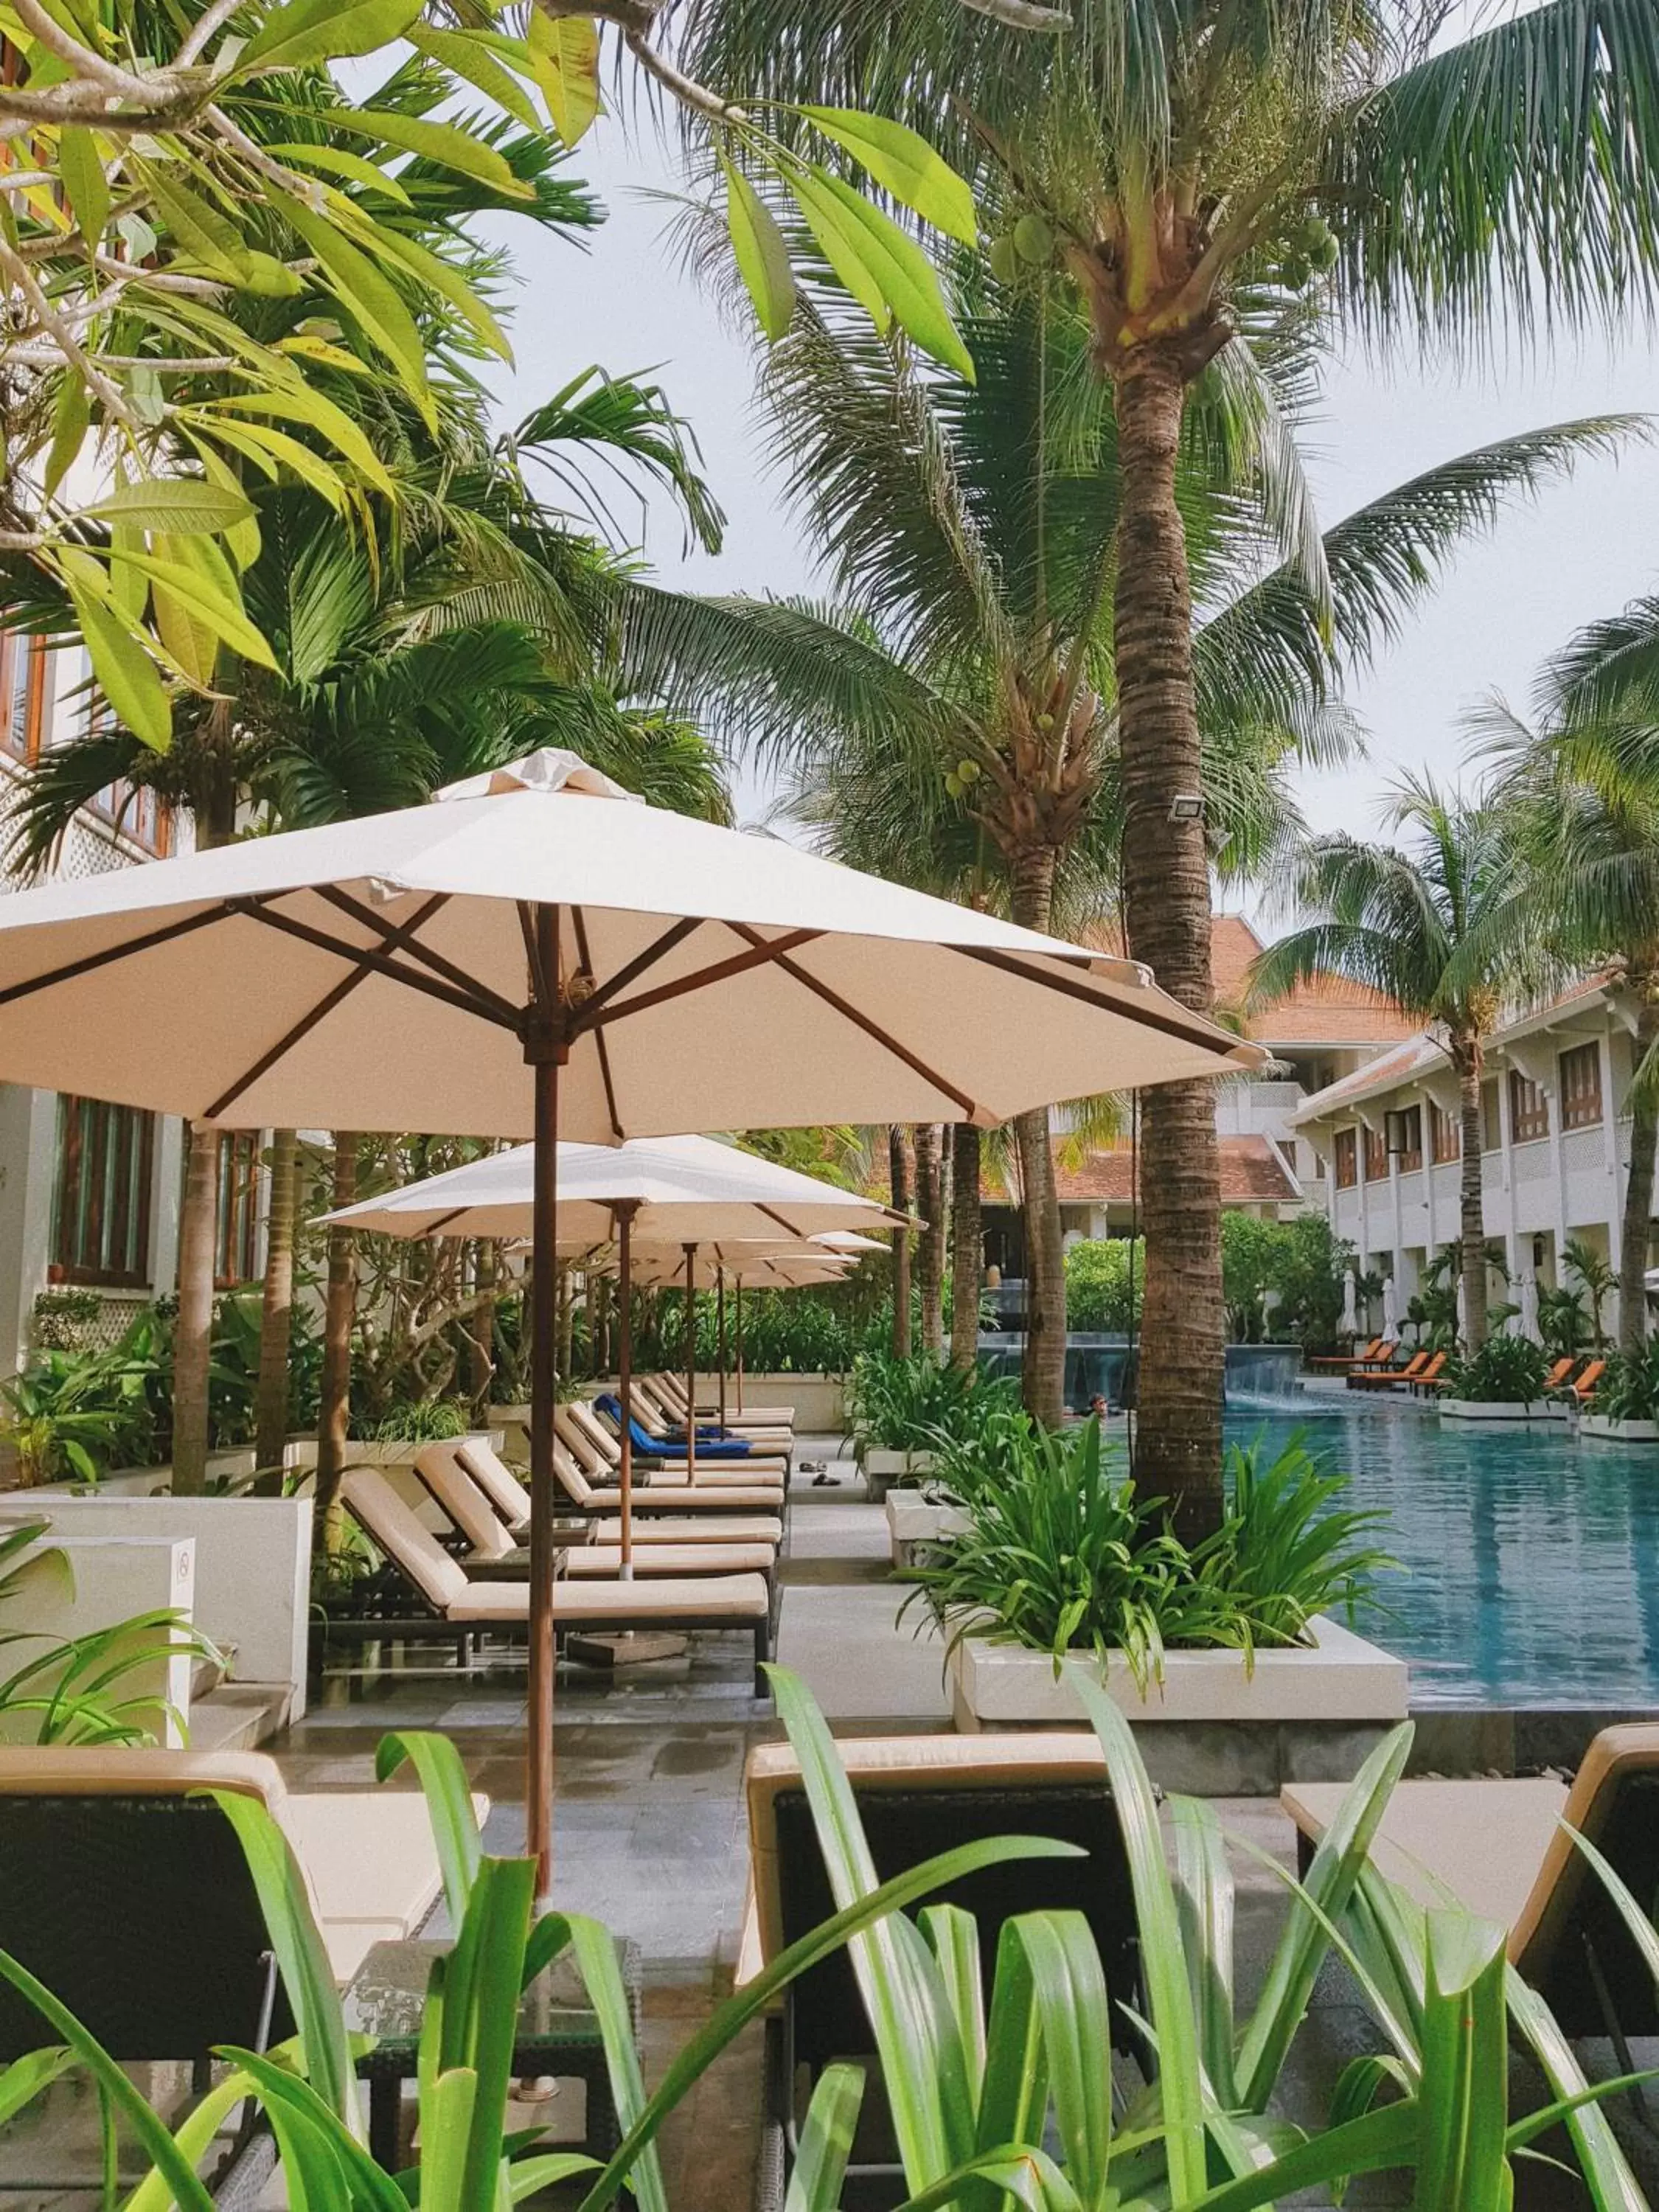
[(1503, 1381), (901, 1412)]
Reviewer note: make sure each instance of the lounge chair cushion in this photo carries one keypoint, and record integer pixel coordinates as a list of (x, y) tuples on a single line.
[(457, 1490), (715, 1598), (709, 1528), (712, 1500), (705, 1555)]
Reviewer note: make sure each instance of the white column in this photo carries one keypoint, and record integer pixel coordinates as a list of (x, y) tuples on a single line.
[(1432, 1240), (1610, 1152), (28, 1170), (1506, 1155), (167, 1194)]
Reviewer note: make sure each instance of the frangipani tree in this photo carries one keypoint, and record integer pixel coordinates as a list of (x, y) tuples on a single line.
[(1164, 160)]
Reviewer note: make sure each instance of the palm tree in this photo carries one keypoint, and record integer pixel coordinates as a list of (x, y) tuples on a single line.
[(1597, 1278), (951, 718), (1581, 785), (1416, 925), (1169, 161)]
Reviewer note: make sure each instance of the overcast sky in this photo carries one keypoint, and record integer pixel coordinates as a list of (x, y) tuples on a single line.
[(1581, 550)]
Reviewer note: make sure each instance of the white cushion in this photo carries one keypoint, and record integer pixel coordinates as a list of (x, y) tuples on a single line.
[(400, 1536), (441, 1468), (694, 1558), (606, 1604)]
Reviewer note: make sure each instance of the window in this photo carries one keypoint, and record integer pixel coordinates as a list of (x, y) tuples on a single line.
[(1491, 1135), (1404, 1132), (1581, 1087), (236, 1239), (1529, 1109), (1347, 1160), (22, 695), (1376, 1155), (100, 1211), (1443, 1135)]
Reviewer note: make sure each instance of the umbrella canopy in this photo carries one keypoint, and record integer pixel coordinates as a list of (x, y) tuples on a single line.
[(787, 1267), (681, 1188), (534, 956), (850, 1240)]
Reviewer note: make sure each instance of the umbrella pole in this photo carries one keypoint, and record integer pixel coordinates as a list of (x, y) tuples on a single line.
[(719, 1318), (545, 1048), (691, 1364), (740, 1291), (625, 1386)]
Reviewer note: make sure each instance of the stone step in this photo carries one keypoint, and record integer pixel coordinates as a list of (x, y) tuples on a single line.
[(238, 1716)]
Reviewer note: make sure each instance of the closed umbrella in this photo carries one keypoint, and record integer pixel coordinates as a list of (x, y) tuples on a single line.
[(1462, 1313), (1349, 1312), (1390, 1312), (534, 956), (1529, 1306)]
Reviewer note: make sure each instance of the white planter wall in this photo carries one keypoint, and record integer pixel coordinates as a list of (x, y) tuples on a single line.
[(252, 1568), (916, 1523), (1473, 1409), (1604, 1428), (115, 1577)]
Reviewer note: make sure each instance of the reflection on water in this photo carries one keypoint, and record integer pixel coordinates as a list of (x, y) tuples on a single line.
[(1532, 1558)]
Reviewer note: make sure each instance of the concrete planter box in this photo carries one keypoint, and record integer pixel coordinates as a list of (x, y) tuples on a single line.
[(1479, 1409), (1609, 1431), (302, 1451), (143, 1481), (820, 1409), (1211, 1726), (917, 1523), (252, 1572), (115, 1577), (882, 1468)]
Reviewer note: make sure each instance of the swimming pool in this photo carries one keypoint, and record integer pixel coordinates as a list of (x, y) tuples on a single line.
[(1531, 1558)]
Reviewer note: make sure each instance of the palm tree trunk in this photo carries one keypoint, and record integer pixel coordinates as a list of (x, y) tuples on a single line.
[(334, 1410), (192, 1339), (1639, 1181), (930, 1255), (1469, 1059), (277, 1313), (1043, 1384), (898, 1175), (1166, 898), (967, 1259)]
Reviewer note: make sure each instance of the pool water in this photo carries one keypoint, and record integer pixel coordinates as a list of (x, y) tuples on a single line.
[(1531, 1558)]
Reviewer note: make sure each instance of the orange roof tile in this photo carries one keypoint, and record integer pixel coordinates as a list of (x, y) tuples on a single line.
[(1252, 1173)]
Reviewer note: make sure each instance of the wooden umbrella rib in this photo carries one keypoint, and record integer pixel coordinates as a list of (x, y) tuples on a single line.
[(382, 963), (586, 958), (396, 937), (872, 1030), (91, 962), (309, 1021), (659, 949), (760, 956), (532, 953), (1190, 1029)]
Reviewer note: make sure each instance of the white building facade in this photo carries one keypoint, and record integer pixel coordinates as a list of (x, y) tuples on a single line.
[(90, 1192), (1555, 1144)]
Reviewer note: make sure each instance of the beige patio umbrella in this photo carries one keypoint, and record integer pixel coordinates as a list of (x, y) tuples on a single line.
[(652, 1191), (534, 954)]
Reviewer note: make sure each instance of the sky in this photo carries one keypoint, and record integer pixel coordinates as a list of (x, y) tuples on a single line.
[(1581, 551)]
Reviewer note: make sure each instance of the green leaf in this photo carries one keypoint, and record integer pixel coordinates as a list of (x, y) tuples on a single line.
[(301, 405), (174, 504), (1204, 1900), (207, 235), (564, 53), (85, 185), (200, 600), (447, 2112), (367, 294), (443, 142), (904, 164), (1027, 2175), (21, 2083), (596, 1955), (467, 56), (126, 675), (71, 418), (870, 253), (1371, 2144), (448, 282), (241, 542), (762, 258), (269, 450), (437, 1765), (305, 31), (826, 2140), (1463, 2091), (300, 1958), (339, 161)]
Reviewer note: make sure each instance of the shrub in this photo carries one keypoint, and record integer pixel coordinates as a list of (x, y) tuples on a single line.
[(423, 1421), (1058, 1556), (1629, 1391), (74, 1415), (1507, 1370), (919, 1403), (1103, 1283), (63, 1317)]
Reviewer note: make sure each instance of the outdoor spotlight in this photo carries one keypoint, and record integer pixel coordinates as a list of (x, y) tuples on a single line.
[(1187, 806)]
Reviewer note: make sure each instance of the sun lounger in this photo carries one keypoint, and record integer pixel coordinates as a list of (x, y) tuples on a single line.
[(1583, 1388), (1499, 1848), (726, 1527), (1390, 1378), (589, 1480), (578, 1418), (442, 1599), (916, 1796), (1559, 1374), (490, 1549), (712, 1452), (663, 1407), (1431, 1378), (672, 1388)]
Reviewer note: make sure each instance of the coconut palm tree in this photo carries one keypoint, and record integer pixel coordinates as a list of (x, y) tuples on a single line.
[(952, 718), (1416, 924), (1167, 160), (1581, 784)]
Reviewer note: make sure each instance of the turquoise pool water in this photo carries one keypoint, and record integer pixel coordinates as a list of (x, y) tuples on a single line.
[(1531, 1558)]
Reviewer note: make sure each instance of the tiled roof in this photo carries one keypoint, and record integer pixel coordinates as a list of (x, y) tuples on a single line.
[(1251, 1173), (1327, 1010), (1417, 1056)]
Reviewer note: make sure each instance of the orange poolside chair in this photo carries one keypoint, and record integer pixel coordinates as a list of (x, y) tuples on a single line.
[(1431, 1378), (1388, 1378), (1584, 1389), (1559, 1374)]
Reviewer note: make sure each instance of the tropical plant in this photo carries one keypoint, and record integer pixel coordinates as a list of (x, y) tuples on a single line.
[(1171, 168), (1581, 784), (1008, 2086), (1060, 1554), (913, 1404), (1563, 1324), (1503, 1371), (1414, 923), (84, 1689), (1597, 1278), (73, 1415), (423, 1420), (1629, 1389), (61, 1317)]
